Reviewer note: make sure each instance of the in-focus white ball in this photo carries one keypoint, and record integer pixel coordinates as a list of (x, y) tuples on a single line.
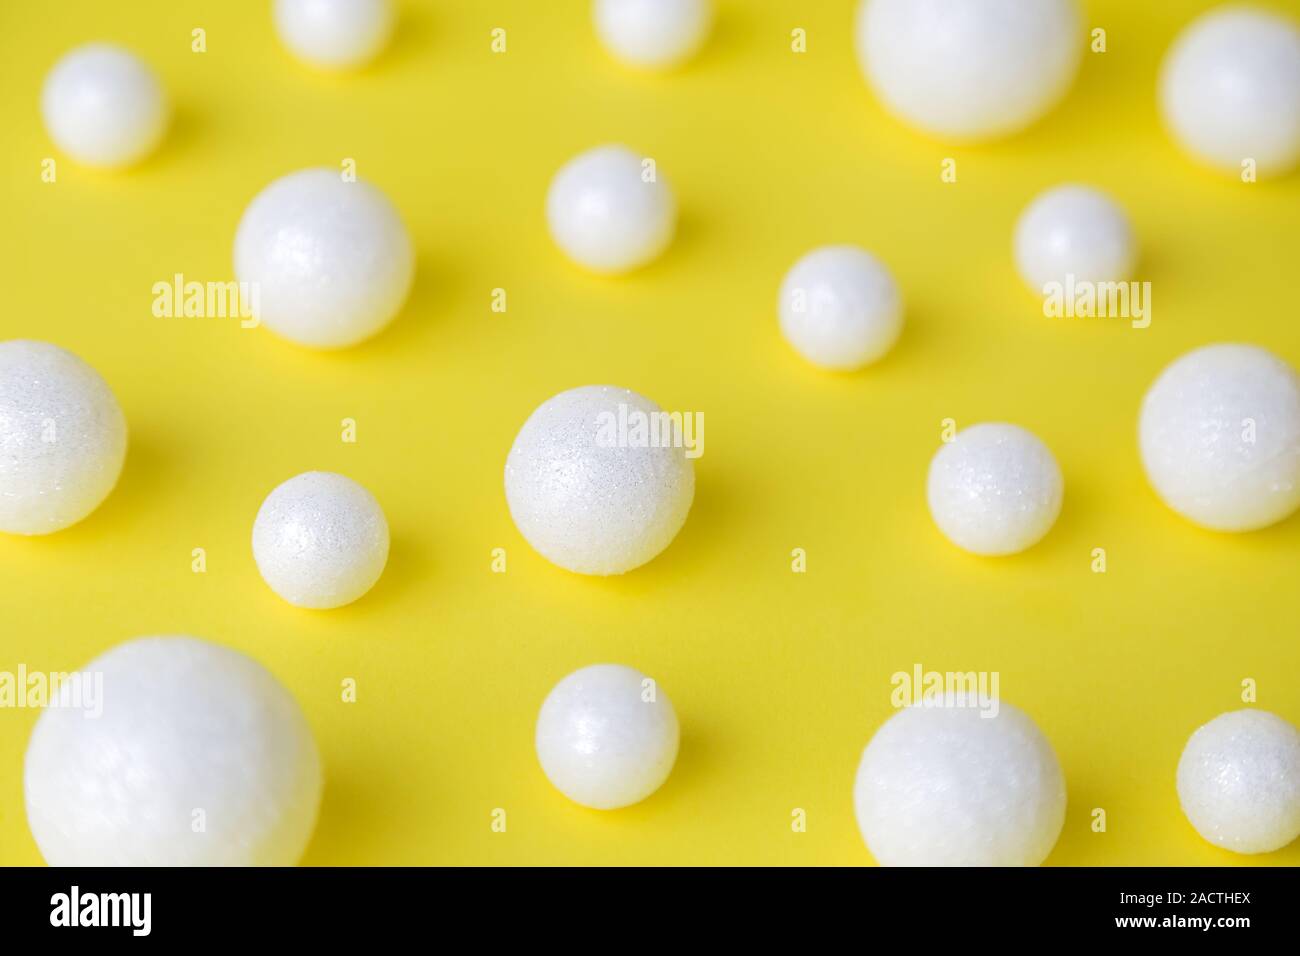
[(945, 786), (1239, 781), (320, 540), (653, 33), (1219, 433), (1074, 231), (185, 728), (994, 489), (590, 496), (103, 106), (62, 438), (607, 736), (840, 307), (970, 69), (334, 34), (608, 212), (1230, 90), (331, 260)]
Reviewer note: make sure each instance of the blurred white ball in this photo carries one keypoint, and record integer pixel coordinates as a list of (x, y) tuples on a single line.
[(1074, 231), (331, 261), (185, 728), (1219, 433), (994, 489), (607, 736), (62, 438), (840, 307), (320, 540), (334, 34), (653, 33), (103, 106), (610, 210)]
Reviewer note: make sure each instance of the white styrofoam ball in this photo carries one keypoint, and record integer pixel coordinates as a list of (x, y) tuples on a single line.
[(1239, 781), (1230, 89), (840, 307), (994, 489), (944, 785), (320, 540), (185, 728), (970, 69), (1219, 433), (62, 438), (588, 503), (1074, 231), (334, 34), (611, 210), (653, 33), (607, 736), (103, 106), (331, 259)]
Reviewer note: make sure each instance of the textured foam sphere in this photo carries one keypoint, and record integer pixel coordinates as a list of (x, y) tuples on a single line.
[(1074, 231), (103, 106), (320, 540), (1230, 90), (331, 260), (1239, 781), (946, 786), (970, 69), (588, 500), (994, 489), (610, 210), (187, 732), (607, 736), (1220, 437), (334, 34), (840, 308), (653, 33), (62, 438)]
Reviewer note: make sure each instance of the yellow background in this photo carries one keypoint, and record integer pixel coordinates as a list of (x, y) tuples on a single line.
[(779, 678)]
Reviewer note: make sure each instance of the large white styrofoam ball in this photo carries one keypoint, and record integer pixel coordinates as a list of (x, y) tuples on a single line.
[(320, 540), (103, 106), (1239, 781), (970, 69), (62, 438), (611, 210), (197, 756), (589, 494), (948, 786), (607, 736), (1074, 231), (1230, 90), (840, 308), (994, 489), (1219, 433), (334, 34), (330, 259), (653, 33)]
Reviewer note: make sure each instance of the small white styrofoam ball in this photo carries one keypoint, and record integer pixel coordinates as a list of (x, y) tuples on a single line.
[(943, 785), (62, 438), (840, 307), (653, 33), (994, 489), (184, 726), (585, 500), (610, 210), (1230, 90), (320, 540), (1239, 781), (1219, 433), (1074, 231), (334, 34), (103, 106), (331, 260), (970, 69), (607, 736)]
